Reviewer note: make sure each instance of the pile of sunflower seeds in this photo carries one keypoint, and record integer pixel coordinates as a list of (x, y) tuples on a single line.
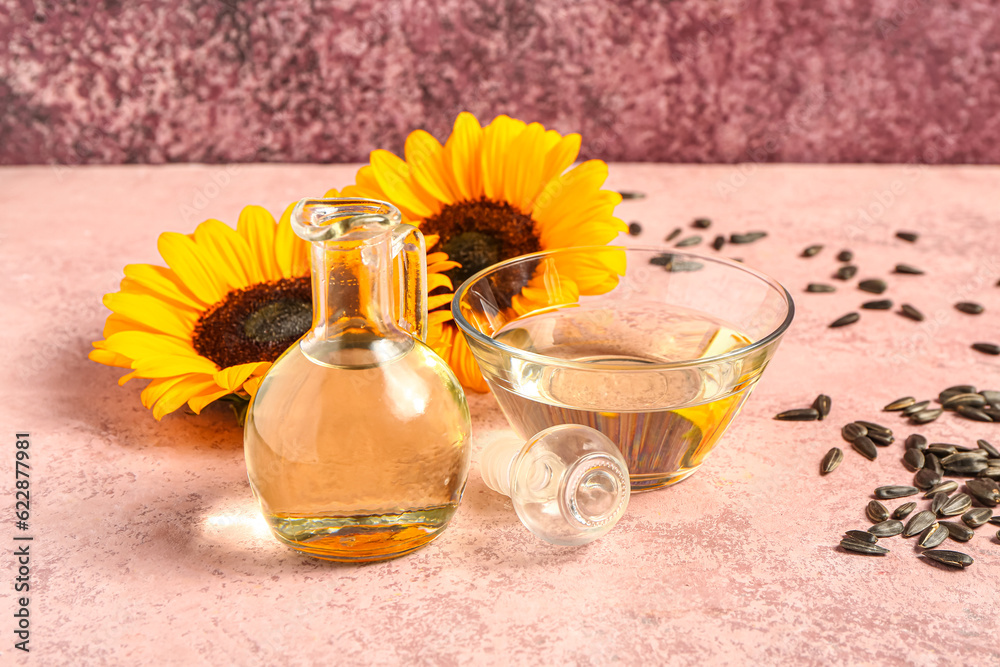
[(962, 399), (931, 463)]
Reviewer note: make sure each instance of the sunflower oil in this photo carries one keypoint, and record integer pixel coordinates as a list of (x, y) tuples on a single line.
[(664, 421), (363, 459)]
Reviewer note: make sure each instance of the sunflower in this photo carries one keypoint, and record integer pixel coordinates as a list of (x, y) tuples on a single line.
[(489, 194), (210, 323)]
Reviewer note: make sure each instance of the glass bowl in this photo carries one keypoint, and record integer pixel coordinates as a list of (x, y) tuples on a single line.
[(656, 349)]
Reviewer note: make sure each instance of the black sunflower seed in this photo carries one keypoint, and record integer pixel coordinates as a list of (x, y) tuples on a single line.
[(749, 237), (974, 400), (916, 441), (849, 318), (907, 236), (969, 307), (933, 536), (966, 467), (903, 510), (860, 547), (853, 431), (925, 416), (995, 520), (634, 228), (900, 403), (887, 528), (915, 408), (926, 478), (889, 492), (940, 449), (674, 234), (831, 461), (913, 459), (881, 440), (932, 462), (702, 223), (876, 511), (974, 518), (986, 348), (906, 268), (957, 531), (873, 285), (985, 490), (993, 472), (679, 266), (950, 558), (906, 310), (938, 501), (957, 504), (992, 412), (956, 389), (882, 304), (964, 456), (820, 288), (989, 449), (944, 487), (861, 536), (719, 242), (992, 397), (846, 272), (822, 405), (918, 523), (865, 447), (798, 415), (972, 413), (626, 194), (689, 241), (872, 427), (845, 256), (812, 251)]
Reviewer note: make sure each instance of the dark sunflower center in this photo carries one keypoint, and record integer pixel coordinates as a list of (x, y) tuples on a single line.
[(255, 324), (481, 233)]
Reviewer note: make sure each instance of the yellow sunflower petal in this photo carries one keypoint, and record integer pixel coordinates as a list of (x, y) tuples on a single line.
[(169, 365), (256, 225), (393, 177), (436, 280), (523, 168), (332, 192), (497, 137), (139, 344), (116, 323), (425, 157), (252, 385), (291, 252), (438, 300), (151, 313), (568, 191), (464, 364), (181, 393), (163, 281), (462, 157), (198, 403), (560, 157), (230, 255), (193, 266), (156, 389), (437, 318), (109, 358), (232, 378)]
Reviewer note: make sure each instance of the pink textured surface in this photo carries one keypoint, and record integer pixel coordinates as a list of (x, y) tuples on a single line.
[(105, 81), (148, 548)]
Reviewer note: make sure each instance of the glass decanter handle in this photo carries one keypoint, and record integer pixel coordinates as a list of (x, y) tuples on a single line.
[(410, 253)]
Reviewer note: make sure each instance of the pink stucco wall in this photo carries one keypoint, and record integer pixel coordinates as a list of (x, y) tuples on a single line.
[(107, 81)]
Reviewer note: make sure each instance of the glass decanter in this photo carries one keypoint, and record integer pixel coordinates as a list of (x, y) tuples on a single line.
[(357, 441)]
